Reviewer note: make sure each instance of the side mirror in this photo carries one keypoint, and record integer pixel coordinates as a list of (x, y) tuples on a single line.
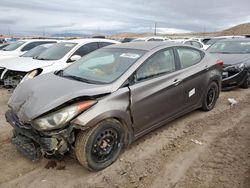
[(74, 58)]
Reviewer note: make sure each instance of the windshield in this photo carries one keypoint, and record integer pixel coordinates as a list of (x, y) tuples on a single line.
[(231, 47), (57, 51), (103, 66), (34, 52), (13, 46), (212, 41)]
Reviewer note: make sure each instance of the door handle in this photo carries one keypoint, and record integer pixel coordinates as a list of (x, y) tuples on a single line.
[(177, 81)]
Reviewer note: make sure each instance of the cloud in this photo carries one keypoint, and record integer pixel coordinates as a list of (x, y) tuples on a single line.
[(114, 16)]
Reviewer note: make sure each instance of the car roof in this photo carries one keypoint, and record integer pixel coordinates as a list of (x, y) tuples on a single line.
[(87, 40), (143, 45), (236, 39), (229, 37), (36, 40)]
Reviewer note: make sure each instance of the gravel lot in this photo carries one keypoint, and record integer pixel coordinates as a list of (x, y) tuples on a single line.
[(164, 158)]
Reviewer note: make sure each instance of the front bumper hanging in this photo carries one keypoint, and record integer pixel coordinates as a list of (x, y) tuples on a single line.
[(33, 144)]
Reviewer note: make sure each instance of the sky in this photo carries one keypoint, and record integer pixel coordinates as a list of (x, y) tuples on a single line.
[(46, 17)]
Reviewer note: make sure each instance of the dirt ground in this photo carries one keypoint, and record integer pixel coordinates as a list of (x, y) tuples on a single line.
[(167, 157)]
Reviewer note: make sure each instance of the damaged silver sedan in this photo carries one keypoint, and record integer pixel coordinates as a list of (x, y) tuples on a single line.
[(109, 98)]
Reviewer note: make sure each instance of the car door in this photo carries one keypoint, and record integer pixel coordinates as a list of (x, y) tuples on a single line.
[(155, 95), (193, 76)]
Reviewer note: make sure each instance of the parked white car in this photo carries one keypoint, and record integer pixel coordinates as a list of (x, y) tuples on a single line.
[(18, 48), (153, 38), (55, 58), (34, 52), (191, 42)]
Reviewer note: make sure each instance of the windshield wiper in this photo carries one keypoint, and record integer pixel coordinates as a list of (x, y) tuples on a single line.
[(79, 78), (222, 52), (40, 58)]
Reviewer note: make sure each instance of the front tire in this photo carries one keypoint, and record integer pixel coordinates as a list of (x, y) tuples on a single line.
[(246, 83), (210, 97), (100, 146)]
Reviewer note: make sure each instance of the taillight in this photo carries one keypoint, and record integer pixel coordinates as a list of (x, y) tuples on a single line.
[(219, 62)]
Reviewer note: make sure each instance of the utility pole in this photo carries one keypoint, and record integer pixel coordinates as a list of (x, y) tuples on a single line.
[(155, 28), (9, 30)]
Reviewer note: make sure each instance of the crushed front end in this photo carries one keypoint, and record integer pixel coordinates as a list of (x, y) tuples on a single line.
[(34, 144), (12, 78), (234, 76)]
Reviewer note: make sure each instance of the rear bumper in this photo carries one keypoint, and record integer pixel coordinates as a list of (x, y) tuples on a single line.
[(33, 144), (235, 80)]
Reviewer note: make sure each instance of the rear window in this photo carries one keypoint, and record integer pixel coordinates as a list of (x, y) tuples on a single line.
[(196, 44), (189, 57)]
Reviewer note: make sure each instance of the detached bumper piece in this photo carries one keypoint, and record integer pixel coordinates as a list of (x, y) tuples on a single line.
[(33, 144), (27, 147), (233, 77)]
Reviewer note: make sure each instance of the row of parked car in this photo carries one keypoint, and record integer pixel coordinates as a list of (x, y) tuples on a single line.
[(94, 104), (26, 59), (202, 43)]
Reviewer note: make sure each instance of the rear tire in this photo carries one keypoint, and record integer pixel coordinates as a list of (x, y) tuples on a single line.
[(100, 146), (210, 97), (246, 83)]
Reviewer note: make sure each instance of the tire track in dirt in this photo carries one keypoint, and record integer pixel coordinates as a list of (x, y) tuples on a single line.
[(145, 163)]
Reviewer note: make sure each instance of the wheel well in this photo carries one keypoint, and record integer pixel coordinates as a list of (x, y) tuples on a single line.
[(128, 131), (216, 80), (126, 128)]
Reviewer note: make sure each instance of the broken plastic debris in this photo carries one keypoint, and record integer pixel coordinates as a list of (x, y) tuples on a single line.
[(232, 101), (196, 142)]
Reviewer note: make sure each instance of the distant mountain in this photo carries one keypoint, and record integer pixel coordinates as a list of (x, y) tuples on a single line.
[(69, 35), (242, 29)]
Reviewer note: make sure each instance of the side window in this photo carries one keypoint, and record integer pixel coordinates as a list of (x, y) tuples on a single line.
[(103, 44), (188, 43), (196, 44), (160, 63), (85, 49), (155, 39), (34, 44), (189, 57)]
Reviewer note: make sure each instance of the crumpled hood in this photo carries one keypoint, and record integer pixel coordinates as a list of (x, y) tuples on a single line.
[(232, 59), (9, 53), (41, 94), (24, 64)]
